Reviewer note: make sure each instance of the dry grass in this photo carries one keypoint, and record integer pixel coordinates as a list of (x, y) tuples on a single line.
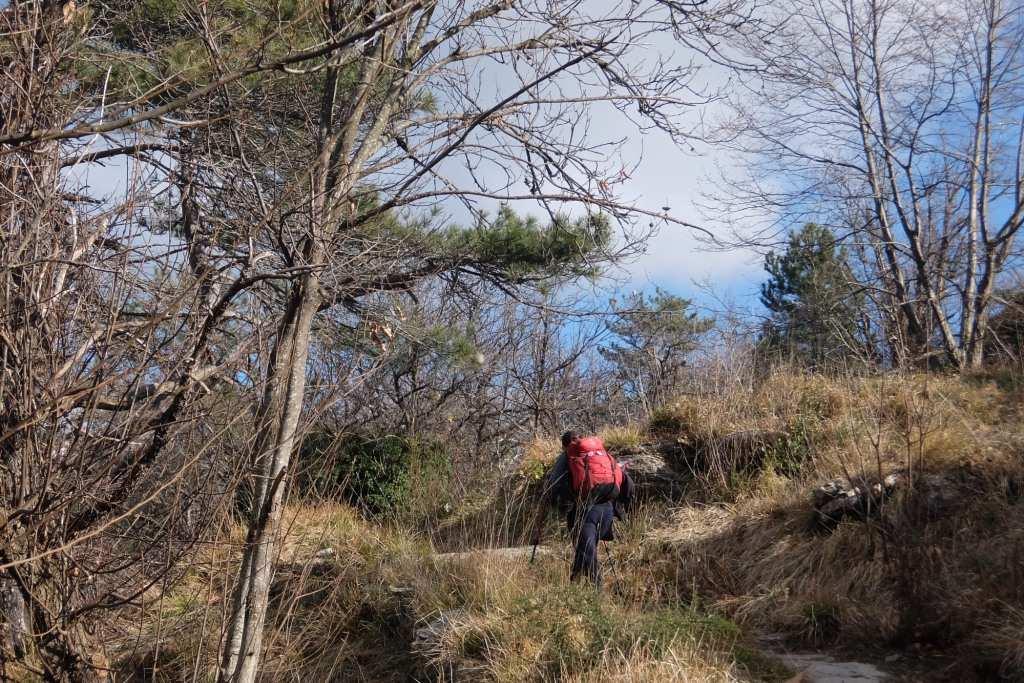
[(548, 630), (684, 662), (829, 427), (1002, 637), (928, 570), (622, 437), (538, 454), (351, 614), (683, 586)]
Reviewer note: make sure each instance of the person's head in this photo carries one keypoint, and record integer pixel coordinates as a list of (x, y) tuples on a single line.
[(568, 438)]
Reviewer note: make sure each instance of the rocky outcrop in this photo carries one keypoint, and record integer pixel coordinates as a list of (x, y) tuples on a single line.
[(742, 450), (720, 454), (933, 494), (651, 471), (427, 637), (859, 499), (661, 470), (429, 647)]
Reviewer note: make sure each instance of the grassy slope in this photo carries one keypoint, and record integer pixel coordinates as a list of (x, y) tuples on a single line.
[(353, 616), (939, 569), (688, 583)]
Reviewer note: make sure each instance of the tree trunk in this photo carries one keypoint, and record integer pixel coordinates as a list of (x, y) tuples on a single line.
[(15, 621), (274, 444)]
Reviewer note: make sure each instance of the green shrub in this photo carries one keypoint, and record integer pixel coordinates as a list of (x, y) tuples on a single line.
[(792, 450), (534, 470), (384, 475), (665, 421), (377, 473), (795, 448)]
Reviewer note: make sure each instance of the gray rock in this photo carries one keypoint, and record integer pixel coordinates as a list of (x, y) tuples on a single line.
[(427, 645), (427, 638), (817, 668), (860, 499), (828, 492), (651, 472)]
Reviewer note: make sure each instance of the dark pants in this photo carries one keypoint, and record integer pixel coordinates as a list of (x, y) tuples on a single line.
[(593, 526)]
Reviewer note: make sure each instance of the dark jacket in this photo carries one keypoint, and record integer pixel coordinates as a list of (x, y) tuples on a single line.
[(558, 490)]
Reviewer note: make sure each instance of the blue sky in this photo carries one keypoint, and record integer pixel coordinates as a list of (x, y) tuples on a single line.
[(664, 176), (674, 259)]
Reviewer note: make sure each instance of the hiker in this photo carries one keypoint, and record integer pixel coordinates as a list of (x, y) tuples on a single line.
[(593, 489)]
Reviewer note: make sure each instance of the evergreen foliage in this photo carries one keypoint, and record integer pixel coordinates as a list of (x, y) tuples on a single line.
[(381, 475), (653, 336), (815, 303), (522, 247)]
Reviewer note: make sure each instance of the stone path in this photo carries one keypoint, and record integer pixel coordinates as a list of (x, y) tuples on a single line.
[(522, 552), (819, 668)]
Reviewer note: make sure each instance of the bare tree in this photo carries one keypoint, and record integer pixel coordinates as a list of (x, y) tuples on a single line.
[(112, 339), (898, 124), (280, 179), (416, 102)]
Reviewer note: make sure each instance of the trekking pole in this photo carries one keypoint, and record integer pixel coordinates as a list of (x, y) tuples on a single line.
[(538, 526), (536, 533)]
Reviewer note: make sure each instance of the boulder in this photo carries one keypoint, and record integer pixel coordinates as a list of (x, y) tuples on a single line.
[(934, 494), (650, 470), (427, 638), (859, 499), (661, 470)]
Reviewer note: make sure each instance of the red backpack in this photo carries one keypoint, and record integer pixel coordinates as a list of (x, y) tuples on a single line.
[(593, 468)]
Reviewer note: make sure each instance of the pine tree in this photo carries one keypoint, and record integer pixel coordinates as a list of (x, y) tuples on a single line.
[(654, 335), (816, 305)]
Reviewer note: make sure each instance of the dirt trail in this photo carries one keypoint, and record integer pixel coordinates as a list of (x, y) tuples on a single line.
[(521, 552), (821, 668)]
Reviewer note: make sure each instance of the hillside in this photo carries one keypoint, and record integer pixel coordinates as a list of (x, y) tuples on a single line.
[(712, 580), (298, 297)]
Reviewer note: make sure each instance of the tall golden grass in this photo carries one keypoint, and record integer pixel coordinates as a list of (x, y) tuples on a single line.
[(690, 583), (940, 565), (349, 596)]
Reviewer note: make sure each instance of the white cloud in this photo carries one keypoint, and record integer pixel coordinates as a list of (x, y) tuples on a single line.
[(661, 175), (670, 177)]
